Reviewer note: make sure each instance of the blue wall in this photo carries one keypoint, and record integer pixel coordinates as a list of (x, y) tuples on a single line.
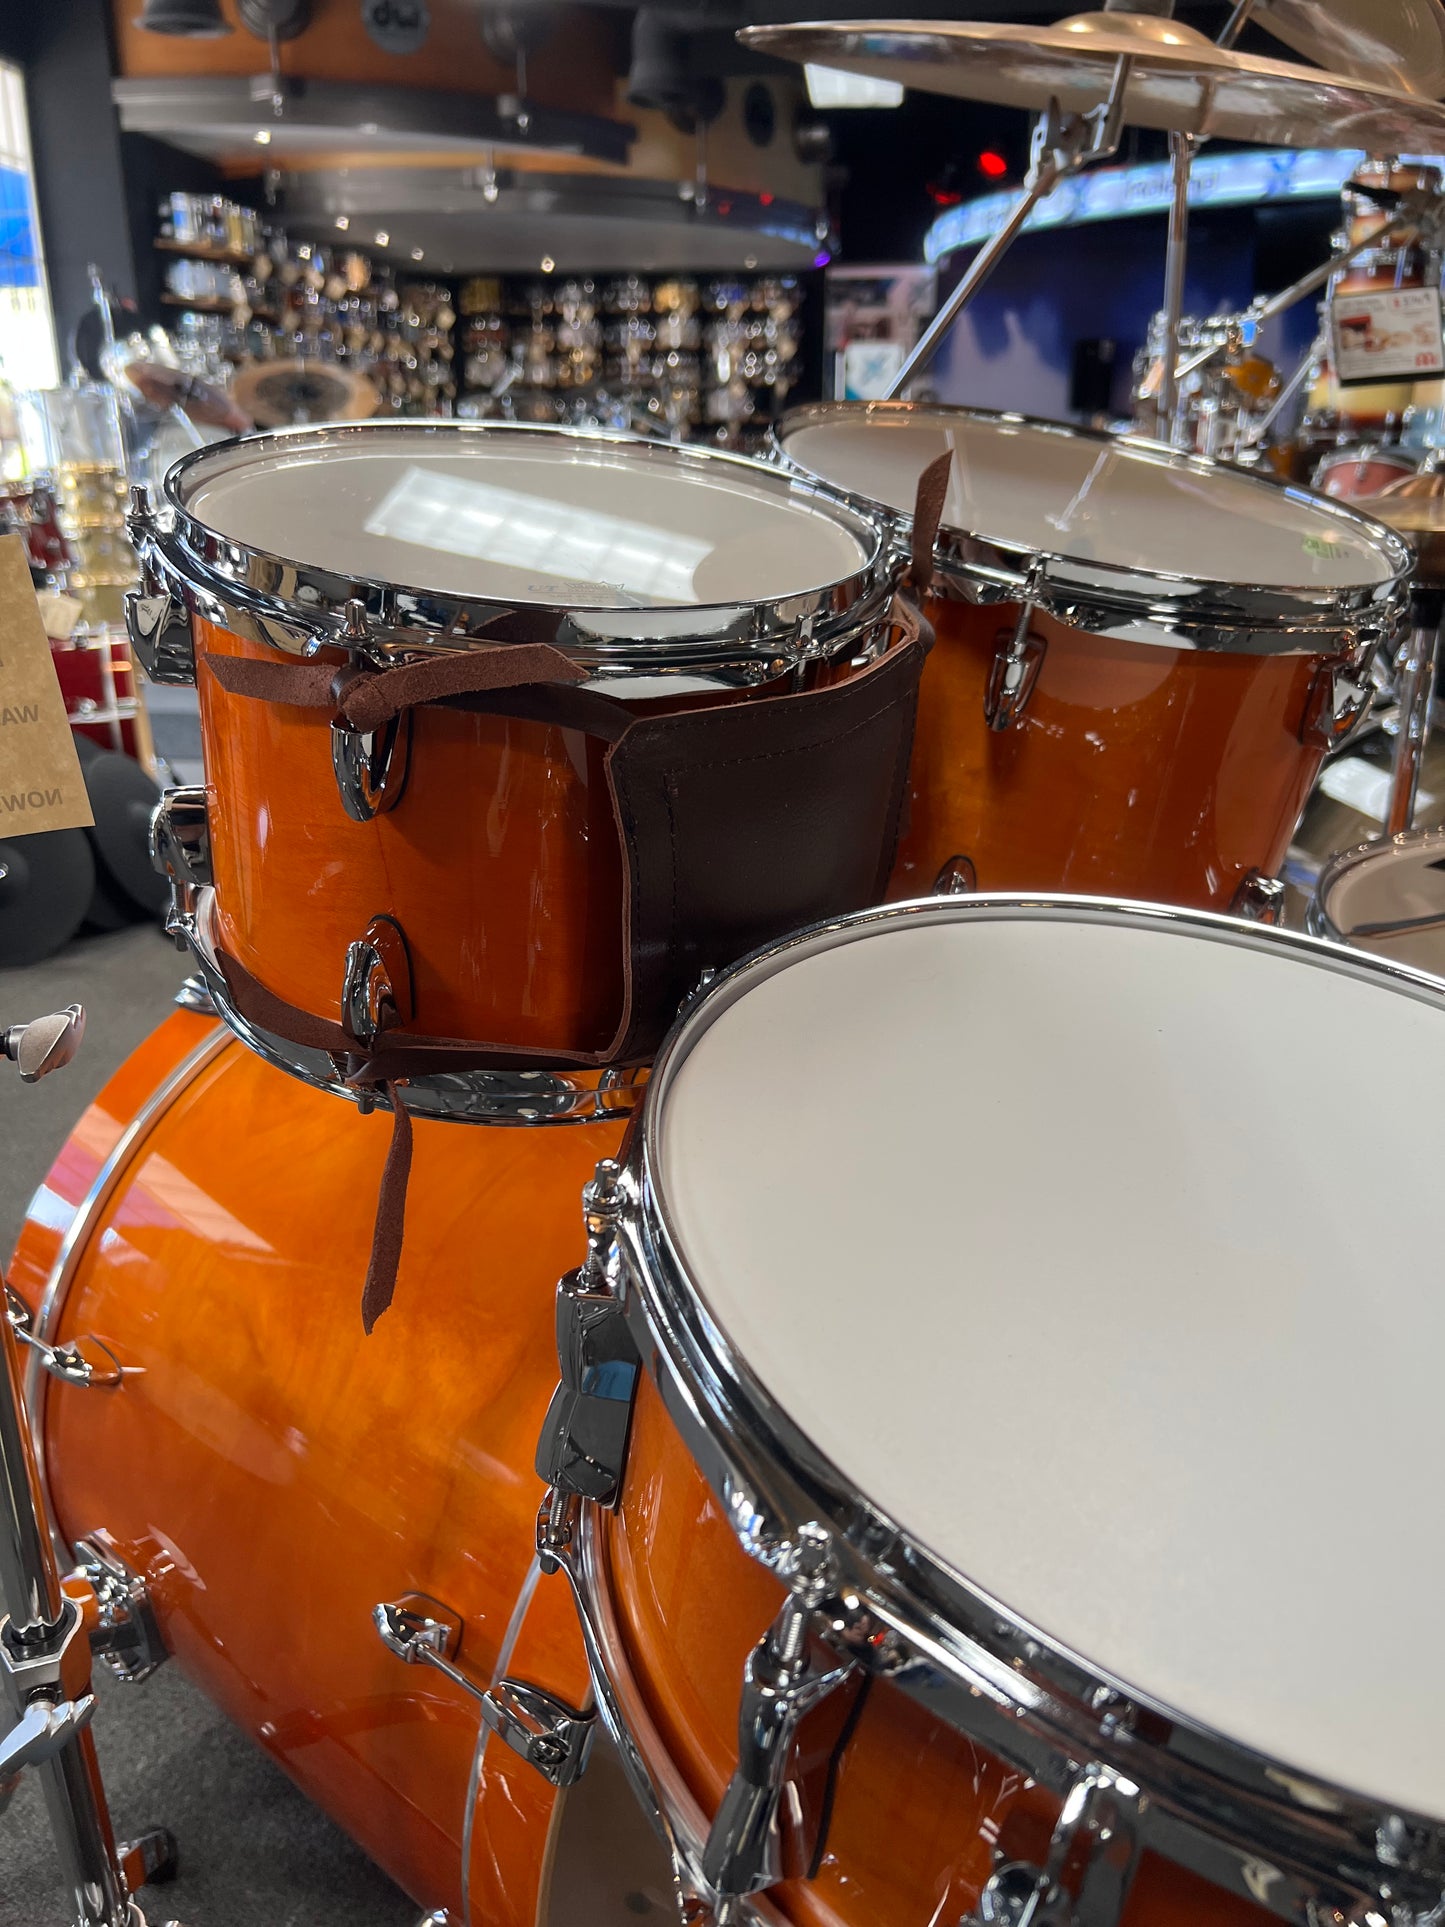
[(1014, 345)]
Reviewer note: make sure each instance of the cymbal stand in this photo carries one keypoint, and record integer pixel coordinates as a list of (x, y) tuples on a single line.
[(44, 1643), (1062, 145), (1415, 674), (1181, 156)]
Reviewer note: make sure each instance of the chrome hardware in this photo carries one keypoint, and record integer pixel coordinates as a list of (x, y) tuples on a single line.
[(957, 878), (160, 636), (1259, 899), (584, 1435), (376, 987), (86, 1363), (371, 766), (743, 1854), (45, 1044), (43, 1729), (1086, 1876), (547, 1733), (193, 995), (125, 1635), (1338, 698), (180, 845), (419, 1630), (1014, 672), (1017, 1895)]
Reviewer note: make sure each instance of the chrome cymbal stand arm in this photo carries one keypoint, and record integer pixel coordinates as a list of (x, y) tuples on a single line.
[(1416, 673), (1286, 394), (1181, 156), (44, 1646), (1062, 145)]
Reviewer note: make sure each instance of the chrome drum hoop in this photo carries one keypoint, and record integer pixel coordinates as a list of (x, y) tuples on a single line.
[(1318, 920), (515, 1098), (1281, 1839), (1107, 599), (293, 607)]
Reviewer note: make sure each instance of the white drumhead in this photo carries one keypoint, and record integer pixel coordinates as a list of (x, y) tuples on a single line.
[(1054, 492), (1396, 884), (1098, 1258), (568, 520)]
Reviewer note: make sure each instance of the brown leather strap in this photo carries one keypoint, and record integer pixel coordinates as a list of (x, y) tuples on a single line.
[(390, 1226), (364, 699), (927, 514)]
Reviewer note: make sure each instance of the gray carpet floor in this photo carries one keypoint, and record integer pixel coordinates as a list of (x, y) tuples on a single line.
[(253, 1852)]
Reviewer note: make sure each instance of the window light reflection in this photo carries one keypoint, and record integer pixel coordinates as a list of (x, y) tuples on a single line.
[(610, 560)]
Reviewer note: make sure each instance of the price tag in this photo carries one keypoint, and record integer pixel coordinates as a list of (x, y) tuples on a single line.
[(41, 787), (1387, 334)]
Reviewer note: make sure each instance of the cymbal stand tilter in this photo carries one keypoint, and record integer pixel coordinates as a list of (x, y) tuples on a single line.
[(1062, 145), (44, 1643)]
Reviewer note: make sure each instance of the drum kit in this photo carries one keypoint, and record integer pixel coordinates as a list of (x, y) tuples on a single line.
[(935, 1489)]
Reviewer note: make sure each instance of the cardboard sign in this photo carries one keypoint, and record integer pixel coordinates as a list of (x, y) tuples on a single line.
[(41, 787), (1386, 334)]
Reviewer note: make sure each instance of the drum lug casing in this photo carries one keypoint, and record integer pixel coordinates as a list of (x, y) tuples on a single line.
[(180, 844), (371, 766), (584, 1435), (1092, 1856), (1014, 671), (1339, 697), (1259, 899), (781, 1685), (156, 619)]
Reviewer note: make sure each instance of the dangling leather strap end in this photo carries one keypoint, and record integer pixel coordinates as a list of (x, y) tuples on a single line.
[(386, 1238)]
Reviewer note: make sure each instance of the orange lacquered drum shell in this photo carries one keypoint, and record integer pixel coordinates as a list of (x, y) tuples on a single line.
[(274, 1474), (1134, 770), (919, 1807), (500, 862)]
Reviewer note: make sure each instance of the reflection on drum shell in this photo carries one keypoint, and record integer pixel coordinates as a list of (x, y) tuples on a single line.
[(919, 1806), (1135, 769), (273, 1473)]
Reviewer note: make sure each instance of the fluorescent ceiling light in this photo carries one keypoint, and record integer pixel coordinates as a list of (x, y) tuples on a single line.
[(831, 87)]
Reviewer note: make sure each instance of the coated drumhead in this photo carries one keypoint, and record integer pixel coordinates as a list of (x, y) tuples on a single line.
[(501, 514), (1392, 901), (1084, 1249), (1123, 505)]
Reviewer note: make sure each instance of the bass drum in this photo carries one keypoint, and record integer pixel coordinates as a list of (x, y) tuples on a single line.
[(274, 1475)]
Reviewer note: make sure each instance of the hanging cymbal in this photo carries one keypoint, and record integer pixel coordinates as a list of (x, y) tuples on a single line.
[(1395, 43), (1179, 81), (277, 393)]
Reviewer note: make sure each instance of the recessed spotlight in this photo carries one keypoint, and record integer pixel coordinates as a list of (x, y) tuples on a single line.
[(750, 261), (416, 254), (343, 221), (547, 264), (382, 238), (262, 137)]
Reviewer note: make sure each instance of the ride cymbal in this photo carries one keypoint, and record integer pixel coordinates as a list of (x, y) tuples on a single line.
[(46, 883), (202, 401), (1179, 81), (122, 800)]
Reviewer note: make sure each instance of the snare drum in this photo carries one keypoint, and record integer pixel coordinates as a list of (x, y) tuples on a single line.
[(982, 1548), (510, 733), (1363, 469), (1389, 897), (1142, 656)]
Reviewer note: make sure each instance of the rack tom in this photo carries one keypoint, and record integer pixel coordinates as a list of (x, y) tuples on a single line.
[(1142, 658), (510, 733)]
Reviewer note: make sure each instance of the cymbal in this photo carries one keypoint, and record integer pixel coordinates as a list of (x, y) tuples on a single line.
[(203, 401), (1415, 507), (1179, 81), (278, 393), (1395, 43)]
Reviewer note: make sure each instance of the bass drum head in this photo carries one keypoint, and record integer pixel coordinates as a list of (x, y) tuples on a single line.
[(1116, 504), (1031, 1287)]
